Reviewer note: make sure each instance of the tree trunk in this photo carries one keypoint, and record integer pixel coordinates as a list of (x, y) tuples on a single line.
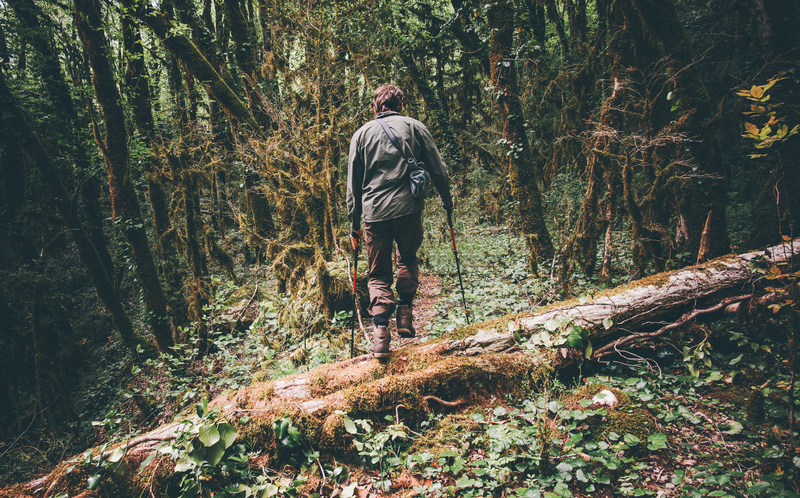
[(16, 125), (451, 150), (243, 36), (661, 21), (199, 64), (521, 169), (124, 202)]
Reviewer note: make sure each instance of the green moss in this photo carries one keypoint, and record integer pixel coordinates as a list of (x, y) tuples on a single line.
[(244, 292), (446, 433)]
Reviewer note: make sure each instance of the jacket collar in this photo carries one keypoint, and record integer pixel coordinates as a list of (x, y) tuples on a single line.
[(387, 113)]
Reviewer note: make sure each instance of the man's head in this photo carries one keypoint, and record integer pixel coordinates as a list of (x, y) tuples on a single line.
[(388, 98)]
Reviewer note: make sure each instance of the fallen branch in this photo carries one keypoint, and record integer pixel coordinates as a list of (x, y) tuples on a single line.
[(612, 347)]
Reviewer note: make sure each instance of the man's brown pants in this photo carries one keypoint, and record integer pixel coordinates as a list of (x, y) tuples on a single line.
[(406, 231)]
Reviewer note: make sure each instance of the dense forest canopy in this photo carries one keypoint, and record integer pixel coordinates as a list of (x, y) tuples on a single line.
[(163, 161)]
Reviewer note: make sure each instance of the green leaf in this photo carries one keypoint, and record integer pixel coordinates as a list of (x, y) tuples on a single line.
[(94, 481), (214, 453), (209, 435), (588, 353), (182, 465), (608, 322), (350, 426), (227, 434), (116, 455), (146, 462), (656, 441), (759, 487), (464, 482), (631, 439), (272, 490), (198, 455)]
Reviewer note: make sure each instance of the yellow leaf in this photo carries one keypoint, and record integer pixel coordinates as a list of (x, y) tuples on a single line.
[(743, 93), (786, 238), (775, 270), (771, 82), (772, 120), (757, 91), (751, 128)]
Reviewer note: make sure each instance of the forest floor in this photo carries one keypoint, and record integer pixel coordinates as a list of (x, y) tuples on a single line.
[(722, 431)]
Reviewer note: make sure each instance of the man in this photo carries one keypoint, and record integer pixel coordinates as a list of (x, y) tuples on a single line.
[(378, 189)]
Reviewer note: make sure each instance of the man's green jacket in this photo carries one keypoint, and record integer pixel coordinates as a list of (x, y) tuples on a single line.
[(377, 173)]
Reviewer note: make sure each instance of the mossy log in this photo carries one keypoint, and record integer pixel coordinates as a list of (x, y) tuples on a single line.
[(470, 365)]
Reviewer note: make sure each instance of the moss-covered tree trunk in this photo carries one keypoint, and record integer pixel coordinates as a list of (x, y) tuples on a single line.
[(200, 64), (244, 40), (698, 121), (124, 202), (475, 362), (521, 168), (15, 124), (138, 92), (450, 148)]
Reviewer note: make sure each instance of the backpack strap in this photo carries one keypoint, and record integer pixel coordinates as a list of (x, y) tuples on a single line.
[(412, 161)]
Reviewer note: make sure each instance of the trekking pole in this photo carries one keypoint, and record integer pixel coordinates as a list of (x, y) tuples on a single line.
[(353, 322), (458, 267)]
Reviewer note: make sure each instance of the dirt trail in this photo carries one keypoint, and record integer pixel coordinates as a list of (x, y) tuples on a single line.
[(428, 295)]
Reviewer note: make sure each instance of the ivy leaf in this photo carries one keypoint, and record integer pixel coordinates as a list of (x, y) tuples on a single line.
[(757, 91), (94, 481), (758, 488), (182, 465), (214, 453), (464, 482), (631, 439), (656, 441), (209, 435), (116, 455), (350, 426), (735, 428), (227, 434)]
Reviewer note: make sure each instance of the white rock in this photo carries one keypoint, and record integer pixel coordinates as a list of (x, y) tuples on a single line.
[(605, 397)]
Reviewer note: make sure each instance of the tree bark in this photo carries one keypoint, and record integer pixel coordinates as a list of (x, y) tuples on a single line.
[(521, 169), (16, 125), (124, 202), (199, 64), (661, 21)]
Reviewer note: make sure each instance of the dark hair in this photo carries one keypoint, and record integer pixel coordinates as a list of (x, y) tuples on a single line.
[(387, 98)]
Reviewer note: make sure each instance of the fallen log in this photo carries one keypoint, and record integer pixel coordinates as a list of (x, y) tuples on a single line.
[(476, 362)]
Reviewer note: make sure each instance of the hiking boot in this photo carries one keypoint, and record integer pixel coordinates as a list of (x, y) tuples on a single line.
[(380, 342), (404, 319)]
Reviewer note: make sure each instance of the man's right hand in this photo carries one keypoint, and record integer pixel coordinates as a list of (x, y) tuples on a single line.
[(448, 206), (355, 237)]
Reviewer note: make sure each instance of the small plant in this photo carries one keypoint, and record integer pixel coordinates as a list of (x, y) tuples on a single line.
[(204, 452)]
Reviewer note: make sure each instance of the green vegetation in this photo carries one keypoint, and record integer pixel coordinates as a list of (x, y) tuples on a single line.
[(174, 250)]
